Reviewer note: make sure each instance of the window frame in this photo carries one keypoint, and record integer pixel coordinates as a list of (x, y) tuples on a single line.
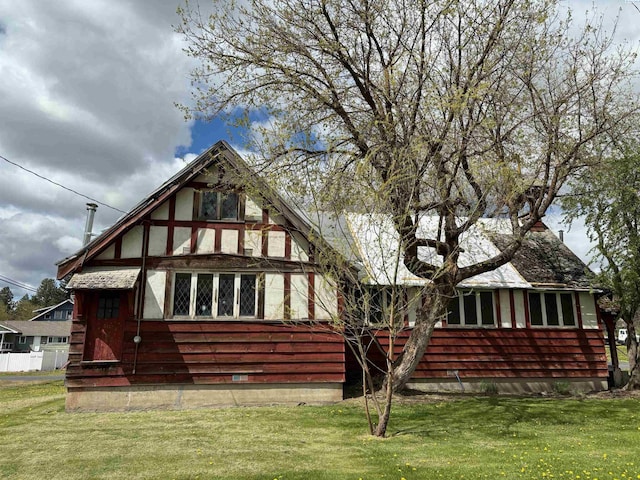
[(542, 295), (214, 313), (220, 195), (462, 297), (22, 339)]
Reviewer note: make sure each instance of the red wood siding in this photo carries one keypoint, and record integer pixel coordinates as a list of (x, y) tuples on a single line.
[(511, 353), (212, 352)]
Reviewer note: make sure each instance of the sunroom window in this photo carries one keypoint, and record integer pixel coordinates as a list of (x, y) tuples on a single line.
[(551, 309), (474, 308), (214, 295)]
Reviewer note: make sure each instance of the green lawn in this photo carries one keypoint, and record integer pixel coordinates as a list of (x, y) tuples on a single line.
[(465, 438)]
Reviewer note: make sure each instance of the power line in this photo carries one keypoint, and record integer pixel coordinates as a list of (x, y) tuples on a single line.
[(18, 284), (61, 186)]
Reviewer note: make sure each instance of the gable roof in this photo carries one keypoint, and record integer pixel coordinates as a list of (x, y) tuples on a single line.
[(545, 261), (30, 329), (219, 152), (44, 310)]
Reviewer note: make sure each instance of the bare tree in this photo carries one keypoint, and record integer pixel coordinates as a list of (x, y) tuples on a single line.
[(453, 109)]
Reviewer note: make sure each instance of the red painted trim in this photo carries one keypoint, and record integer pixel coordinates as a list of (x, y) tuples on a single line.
[(578, 310), (117, 247), (265, 242), (241, 241), (265, 216), (287, 296), (194, 240), (512, 307), (311, 295), (217, 241), (287, 245), (525, 295), (170, 224)]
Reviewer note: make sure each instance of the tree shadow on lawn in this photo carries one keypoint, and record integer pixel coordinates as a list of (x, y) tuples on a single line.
[(494, 417)]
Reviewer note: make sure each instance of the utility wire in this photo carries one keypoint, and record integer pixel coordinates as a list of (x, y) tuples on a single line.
[(61, 186), (16, 283)]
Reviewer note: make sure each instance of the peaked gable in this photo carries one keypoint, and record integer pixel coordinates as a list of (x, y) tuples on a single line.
[(229, 169)]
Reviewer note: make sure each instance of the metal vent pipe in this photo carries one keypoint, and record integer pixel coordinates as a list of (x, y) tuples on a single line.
[(91, 211)]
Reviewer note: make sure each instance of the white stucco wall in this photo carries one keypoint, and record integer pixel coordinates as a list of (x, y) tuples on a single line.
[(253, 241), (298, 248), (161, 213), (299, 296), (326, 299), (252, 211), (108, 254), (588, 310), (181, 240), (276, 244), (505, 308), (184, 204), (154, 294), (206, 240), (274, 296), (518, 302), (132, 243), (229, 241), (158, 241)]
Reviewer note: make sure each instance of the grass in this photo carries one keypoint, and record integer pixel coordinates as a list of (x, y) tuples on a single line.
[(466, 438), (33, 373)]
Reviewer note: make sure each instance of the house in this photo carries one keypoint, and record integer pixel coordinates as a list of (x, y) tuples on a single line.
[(25, 336), (60, 312), (211, 292)]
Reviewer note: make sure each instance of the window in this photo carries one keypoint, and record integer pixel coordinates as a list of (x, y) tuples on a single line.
[(215, 295), (108, 305), (56, 339), (472, 308), (377, 303), (22, 340), (551, 309), (47, 316), (219, 205)]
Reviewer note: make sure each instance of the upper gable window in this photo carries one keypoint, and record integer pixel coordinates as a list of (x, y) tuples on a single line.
[(215, 205)]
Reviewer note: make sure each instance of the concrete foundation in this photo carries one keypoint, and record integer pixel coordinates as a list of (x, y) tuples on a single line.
[(176, 397), (510, 386)]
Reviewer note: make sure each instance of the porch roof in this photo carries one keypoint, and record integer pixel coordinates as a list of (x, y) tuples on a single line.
[(104, 278)]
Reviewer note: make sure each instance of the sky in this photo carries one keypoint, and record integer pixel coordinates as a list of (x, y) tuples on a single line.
[(87, 100)]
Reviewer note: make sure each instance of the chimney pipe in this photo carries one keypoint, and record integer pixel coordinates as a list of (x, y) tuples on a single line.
[(91, 211), (561, 235)]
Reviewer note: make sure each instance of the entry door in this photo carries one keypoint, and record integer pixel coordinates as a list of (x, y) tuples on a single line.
[(108, 311)]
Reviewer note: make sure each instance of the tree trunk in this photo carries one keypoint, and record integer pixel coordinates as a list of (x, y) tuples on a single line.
[(433, 309), (634, 361)]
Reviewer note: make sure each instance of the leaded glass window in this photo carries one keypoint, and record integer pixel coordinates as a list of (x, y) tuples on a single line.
[(182, 294), (247, 295), (219, 205), (225, 295), (204, 295)]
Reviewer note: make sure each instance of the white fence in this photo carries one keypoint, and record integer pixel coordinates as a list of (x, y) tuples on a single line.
[(25, 362)]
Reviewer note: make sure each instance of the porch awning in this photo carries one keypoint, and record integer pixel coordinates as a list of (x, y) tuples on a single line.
[(104, 278)]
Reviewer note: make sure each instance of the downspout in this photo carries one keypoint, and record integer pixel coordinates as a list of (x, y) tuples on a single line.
[(141, 292)]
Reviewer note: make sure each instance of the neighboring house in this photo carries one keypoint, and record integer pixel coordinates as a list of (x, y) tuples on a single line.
[(60, 312), (25, 336), (208, 293)]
